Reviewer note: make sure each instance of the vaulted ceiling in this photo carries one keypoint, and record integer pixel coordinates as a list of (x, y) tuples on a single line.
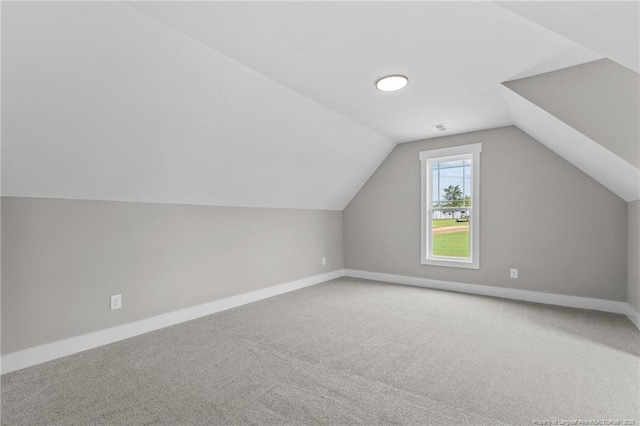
[(256, 103)]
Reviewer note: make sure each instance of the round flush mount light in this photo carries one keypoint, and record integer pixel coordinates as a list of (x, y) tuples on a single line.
[(391, 83)]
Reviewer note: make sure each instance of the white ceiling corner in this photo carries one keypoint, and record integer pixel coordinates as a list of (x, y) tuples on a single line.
[(100, 102), (262, 104), (456, 54), (612, 171), (611, 28)]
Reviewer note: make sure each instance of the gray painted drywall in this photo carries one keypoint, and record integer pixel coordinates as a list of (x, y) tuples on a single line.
[(565, 232), (600, 99), (63, 259), (633, 260)]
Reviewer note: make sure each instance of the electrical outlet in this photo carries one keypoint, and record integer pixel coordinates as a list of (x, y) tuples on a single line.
[(116, 302), (324, 261), (513, 273)]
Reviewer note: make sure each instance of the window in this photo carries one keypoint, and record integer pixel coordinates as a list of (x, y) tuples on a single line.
[(450, 206)]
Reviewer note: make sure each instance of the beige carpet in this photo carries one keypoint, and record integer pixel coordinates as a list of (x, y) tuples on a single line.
[(348, 352)]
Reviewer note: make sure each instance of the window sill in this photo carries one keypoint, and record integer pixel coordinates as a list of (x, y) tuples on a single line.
[(451, 263)]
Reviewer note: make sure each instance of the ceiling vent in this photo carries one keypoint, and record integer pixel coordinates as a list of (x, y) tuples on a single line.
[(441, 126)]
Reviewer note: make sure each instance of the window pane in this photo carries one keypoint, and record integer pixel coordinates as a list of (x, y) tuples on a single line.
[(451, 183), (451, 204), (434, 190), (450, 233)]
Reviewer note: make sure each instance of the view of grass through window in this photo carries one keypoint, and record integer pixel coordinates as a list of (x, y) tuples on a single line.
[(450, 238), (451, 210)]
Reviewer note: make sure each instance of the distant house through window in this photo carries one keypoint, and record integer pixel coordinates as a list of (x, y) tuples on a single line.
[(450, 206)]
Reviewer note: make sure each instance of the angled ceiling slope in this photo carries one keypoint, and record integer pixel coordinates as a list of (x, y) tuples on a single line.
[(456, 54), (102, 102), (589, 115), (264, 104), (610, 28)]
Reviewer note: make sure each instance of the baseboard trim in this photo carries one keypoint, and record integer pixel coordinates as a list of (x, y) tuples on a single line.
[(633, 315), (505, 293), (50, 351)]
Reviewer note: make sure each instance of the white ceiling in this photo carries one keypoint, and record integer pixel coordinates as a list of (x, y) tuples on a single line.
[(611, 28), (616, 174), (244, 103), (455, 54), (101, 102)]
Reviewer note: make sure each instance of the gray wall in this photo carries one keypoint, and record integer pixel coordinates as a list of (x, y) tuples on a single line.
[(600, 99), (565, 232), (63, 259), (633, 261)]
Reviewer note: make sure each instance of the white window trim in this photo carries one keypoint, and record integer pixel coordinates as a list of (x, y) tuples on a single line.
[(474, 150)]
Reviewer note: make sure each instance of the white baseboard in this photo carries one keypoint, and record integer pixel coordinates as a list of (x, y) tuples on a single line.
[(633, 315), (505, 293), (50, 351)]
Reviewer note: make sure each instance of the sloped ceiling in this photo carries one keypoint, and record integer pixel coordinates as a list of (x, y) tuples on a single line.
[(600, 99), (246, 104), (610, 28), (101, 102), (588, 113), (613, 172), (455, 54)]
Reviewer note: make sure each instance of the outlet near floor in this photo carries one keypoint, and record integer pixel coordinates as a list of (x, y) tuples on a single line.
[(324, 261), (513, 273), (116, 301)]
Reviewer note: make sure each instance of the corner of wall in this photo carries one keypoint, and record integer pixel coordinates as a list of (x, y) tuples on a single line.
[(633, 256)]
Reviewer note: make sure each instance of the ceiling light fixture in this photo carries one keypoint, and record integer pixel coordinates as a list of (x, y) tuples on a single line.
[(391, 83)]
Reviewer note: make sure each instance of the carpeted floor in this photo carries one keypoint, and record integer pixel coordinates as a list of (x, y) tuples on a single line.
[(348, 352)]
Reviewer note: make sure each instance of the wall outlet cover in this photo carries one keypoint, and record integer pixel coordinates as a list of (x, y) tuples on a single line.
[(116, 301)]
